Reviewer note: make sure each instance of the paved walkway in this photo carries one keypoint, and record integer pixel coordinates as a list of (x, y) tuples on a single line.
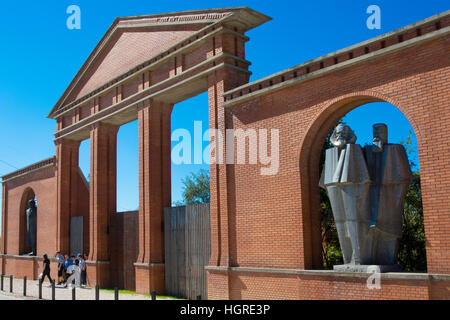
[(61, 293), (12, 298)]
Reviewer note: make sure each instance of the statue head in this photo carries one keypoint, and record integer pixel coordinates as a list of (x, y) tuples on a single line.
[(32, 204), (342, 135), (380, 136)]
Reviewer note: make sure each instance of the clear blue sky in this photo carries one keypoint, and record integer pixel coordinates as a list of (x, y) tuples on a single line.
[(39, 56)]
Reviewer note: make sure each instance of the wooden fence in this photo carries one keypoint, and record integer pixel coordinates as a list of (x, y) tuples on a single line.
[(187, 249)]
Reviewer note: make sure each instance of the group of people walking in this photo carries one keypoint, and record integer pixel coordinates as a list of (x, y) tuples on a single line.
[(71, 270)]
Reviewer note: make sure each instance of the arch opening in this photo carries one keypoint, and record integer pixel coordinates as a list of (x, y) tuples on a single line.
[(360, 113), (127, 174), (189, 144), (25, 247)]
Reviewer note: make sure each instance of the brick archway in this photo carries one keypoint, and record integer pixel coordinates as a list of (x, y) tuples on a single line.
[(278, 234), (309, 156), (27, 195)]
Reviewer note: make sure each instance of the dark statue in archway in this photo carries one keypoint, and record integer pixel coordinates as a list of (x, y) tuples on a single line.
[(32, 226), (366, 188)]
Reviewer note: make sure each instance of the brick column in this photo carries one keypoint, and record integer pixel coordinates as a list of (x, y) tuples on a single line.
[(102, 200), (4, 249), (67, 162), (4, 218), (221, 214), (154, 193)]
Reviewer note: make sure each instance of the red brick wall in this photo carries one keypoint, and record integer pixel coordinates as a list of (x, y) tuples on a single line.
[(43, 183), (165, 70), (291, 286), (439, 289), (273, 220), (23, 266), (20, 267), (118, 58)]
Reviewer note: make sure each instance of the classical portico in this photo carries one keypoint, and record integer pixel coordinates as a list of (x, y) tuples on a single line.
[(139, 70)]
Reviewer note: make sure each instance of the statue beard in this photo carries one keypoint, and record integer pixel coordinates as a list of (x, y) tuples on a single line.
[(340, 143), (378, 145)]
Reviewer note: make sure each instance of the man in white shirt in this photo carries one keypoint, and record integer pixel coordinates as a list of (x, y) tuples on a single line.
[(74, 270)]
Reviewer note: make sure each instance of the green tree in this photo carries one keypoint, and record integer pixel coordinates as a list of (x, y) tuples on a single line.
[(412, 252), (412, 247), (331, 249), (195, 188)]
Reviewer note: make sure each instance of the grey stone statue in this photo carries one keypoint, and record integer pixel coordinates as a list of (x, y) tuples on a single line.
[(366, 191), (390, 174), (32, 226), (346, 178)]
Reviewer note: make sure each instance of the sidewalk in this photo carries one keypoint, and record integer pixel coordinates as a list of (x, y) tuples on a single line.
[(62, 293)]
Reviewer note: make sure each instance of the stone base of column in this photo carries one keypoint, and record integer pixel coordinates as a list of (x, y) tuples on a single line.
[(218, 282), (2, 264), (22, 266), (98, 273), (149, 277)]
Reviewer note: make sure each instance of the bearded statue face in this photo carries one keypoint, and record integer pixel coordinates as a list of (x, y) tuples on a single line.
[(342, 135), (380, 136)]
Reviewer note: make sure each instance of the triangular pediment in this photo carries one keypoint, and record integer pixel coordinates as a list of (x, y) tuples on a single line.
[(131, 41), (127, 49)]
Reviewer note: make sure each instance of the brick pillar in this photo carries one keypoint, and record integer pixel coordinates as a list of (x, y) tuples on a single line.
[(4, 219), (154, 193), (102, 200), (219, 82), (67, 177), (4, 249)]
